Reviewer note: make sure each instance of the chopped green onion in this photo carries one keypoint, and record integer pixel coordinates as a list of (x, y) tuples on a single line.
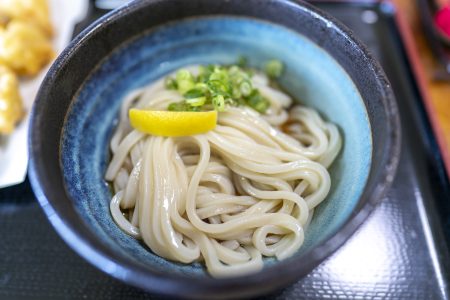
[(218, 87), (170, 83), (219, 75), (246, 88), (274, 68), (184, 74), (182, 106), (201, 86), (215, 87), (236, 94), (194, 93), (195, 97), (258, 102), (204, 73), (218, 102), (196, 101), (178, 106), (185, 81), (184, 86), (234, 70)]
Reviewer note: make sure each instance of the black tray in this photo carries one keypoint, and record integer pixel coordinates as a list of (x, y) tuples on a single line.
[(401, 252)]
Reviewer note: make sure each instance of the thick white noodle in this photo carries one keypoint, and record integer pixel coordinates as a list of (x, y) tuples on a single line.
[(244, 190)]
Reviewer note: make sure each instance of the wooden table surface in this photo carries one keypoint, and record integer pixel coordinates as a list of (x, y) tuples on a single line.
[(438, 92)]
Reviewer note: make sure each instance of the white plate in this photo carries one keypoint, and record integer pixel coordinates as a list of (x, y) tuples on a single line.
[(13, 149)]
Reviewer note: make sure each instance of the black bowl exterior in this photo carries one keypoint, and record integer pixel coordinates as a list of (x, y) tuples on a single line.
[(94, 44)]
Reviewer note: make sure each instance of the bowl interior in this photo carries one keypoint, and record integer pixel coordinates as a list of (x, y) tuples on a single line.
[(312, 76)]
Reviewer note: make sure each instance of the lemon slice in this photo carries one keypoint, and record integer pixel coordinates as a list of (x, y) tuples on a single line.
[(172, 123)]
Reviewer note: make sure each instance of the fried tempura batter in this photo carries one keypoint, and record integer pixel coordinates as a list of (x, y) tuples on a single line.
[(35, 12), (24, 48), (11, 110)]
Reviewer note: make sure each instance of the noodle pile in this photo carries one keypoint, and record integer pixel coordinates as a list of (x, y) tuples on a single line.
[(244, 190)]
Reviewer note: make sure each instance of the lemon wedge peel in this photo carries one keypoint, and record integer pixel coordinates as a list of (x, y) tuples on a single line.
[(172, 123)]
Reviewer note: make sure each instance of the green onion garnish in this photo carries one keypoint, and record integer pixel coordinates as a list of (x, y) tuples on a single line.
[(182, 106), (219, 87), (218, 102), (215, 87), (171, 84), (185, 81), (246, 88), (258, 102), (195, 97), (274, 68)]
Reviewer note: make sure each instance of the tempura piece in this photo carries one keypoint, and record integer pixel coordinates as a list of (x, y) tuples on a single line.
[(11, 110), (24, 48), (35, 12)]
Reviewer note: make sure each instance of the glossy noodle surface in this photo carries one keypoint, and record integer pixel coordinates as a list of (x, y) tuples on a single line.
[(229, 197)]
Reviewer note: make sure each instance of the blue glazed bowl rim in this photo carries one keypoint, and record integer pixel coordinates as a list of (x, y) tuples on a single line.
[(70, 227)]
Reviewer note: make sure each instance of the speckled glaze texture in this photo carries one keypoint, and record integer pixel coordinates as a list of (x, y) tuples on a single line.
[(78, 104)]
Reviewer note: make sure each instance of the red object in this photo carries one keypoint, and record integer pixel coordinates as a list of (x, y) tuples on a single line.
[(419, 74), (442, 20)]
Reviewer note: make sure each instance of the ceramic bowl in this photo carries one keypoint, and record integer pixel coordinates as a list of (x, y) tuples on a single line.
[(77, 109)]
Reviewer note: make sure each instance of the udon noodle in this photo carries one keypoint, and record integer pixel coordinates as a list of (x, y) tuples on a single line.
[(243, 191)]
